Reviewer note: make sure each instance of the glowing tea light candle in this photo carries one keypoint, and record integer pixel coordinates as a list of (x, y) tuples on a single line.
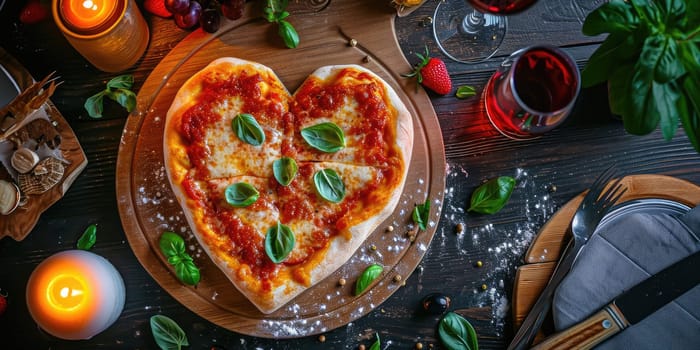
[(111, 34), (87, 14), (75, 294)]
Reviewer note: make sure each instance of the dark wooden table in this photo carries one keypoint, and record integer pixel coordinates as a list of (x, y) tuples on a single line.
[(550, 171)]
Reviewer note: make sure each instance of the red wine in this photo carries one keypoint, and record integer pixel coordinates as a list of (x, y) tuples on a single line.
[(532, 94), (502, 7)]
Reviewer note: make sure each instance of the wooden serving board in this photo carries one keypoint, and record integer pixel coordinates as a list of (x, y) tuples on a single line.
[(544, 252), (148, 207), (21, 221)]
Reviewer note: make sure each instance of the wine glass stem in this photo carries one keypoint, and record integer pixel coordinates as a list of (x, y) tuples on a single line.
[(473, 22)]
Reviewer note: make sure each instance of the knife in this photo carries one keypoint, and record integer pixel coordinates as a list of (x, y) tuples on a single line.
[(629, 308)]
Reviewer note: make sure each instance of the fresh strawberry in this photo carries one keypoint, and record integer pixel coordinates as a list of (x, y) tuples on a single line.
[(157, 7), (33, 12), (432, 73)]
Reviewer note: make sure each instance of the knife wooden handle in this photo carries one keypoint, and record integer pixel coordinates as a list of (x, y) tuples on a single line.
[(589, 332)]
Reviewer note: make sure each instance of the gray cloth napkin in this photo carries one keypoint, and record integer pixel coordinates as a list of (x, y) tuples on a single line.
[(621, 254)]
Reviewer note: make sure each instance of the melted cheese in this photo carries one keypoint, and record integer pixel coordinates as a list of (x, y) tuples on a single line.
[(230, 156)]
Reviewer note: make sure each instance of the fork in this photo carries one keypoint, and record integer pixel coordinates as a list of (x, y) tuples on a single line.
[(592, 209)]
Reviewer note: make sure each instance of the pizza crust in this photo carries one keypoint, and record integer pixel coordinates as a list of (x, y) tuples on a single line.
[(325, 261)]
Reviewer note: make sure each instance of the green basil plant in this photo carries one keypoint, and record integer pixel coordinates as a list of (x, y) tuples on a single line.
[(651, 62)]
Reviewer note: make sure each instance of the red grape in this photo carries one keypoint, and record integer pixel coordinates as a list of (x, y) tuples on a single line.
[(177, 6), (207, 13), (210, 20), (190, 18), (232, 9)]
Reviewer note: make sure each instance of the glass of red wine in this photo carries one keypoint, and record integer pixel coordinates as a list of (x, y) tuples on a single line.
[(532, 91), (471, 31)]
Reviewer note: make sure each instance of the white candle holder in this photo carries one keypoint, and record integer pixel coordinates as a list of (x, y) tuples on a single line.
[(75, 294)]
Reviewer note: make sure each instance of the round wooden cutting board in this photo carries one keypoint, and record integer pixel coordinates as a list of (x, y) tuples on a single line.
[(148, 207), (543, 254)]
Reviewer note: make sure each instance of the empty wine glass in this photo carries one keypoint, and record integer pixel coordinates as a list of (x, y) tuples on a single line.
[(471, 31)]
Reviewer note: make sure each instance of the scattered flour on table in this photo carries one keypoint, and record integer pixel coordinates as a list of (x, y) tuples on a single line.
[(511, 239)]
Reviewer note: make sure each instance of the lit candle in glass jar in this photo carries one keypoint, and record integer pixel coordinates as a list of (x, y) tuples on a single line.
[(85, 15), (111, 34), (75, 294)]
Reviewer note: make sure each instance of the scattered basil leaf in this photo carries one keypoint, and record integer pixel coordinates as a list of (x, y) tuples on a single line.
[(275, 13), (171, 244), (88, 238), (248, 130), (377, 345), (325, 137), (117, 89), (456, 333), (125, 98), (288, 33), (490, 197), (329, 185), (241, 194), (279, 242), (367, 277), (187, 272), (421, 213), (121, 82), (174, 259), (94, 105), (167, 333), (173, 247), (285, 169), (465, 91)]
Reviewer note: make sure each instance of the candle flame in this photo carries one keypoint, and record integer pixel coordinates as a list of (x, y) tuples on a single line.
[(88, 4), (66, 292)]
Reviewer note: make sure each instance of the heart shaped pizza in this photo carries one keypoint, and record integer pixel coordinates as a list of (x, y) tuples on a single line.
[(279, 189)]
